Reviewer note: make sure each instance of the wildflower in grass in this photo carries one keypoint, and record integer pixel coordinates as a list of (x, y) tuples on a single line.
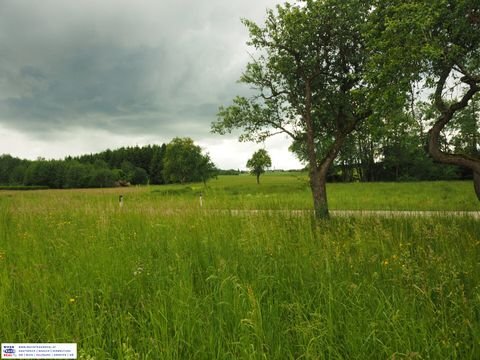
[(385, 262), (84, 356), (72, 300), (138, 271)]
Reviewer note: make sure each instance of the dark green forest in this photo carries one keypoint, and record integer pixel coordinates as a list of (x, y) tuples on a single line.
[(121, 167)]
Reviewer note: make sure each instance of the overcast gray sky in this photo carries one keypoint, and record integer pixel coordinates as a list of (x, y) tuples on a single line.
[(82, 76)]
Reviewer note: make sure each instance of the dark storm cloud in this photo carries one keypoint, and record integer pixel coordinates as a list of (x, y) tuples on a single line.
[(121, 66), (102, 81)]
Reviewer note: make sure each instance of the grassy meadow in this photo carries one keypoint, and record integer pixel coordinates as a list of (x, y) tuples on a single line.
[(163, 278)]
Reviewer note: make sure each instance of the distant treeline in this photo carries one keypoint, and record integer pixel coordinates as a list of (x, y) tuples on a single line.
[(397, 153), (182, 161), (121, 167), (420, 168), (134, 165)]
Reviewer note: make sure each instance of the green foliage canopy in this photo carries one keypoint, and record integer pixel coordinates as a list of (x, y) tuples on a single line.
[(184, 162)]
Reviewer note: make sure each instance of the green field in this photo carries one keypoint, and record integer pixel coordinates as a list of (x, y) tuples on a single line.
[(163, 278)]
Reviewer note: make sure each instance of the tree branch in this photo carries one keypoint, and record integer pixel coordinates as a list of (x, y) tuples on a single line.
[(447, 113), (467, 76), (438, 99), (280, 127)]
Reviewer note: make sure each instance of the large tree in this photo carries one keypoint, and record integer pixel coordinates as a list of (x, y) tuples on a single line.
[(308, 75), (183, 161), (433, 46)]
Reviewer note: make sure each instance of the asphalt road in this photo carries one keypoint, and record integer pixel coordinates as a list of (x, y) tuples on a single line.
[(365, 213)]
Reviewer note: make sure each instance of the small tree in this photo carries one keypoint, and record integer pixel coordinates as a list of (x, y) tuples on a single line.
[(259, 161), (206, 169)]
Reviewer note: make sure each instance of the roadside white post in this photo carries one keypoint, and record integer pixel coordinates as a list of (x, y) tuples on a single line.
[(201, 200)]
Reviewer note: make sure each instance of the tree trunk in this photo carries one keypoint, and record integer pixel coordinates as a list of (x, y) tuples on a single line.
[(258, 179), (318, 184), (319, 170), (476, 183), (318, 178)]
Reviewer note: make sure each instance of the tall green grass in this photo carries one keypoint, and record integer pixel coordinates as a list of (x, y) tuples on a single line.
[(291, 191), (146, 282), (288, 191)]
